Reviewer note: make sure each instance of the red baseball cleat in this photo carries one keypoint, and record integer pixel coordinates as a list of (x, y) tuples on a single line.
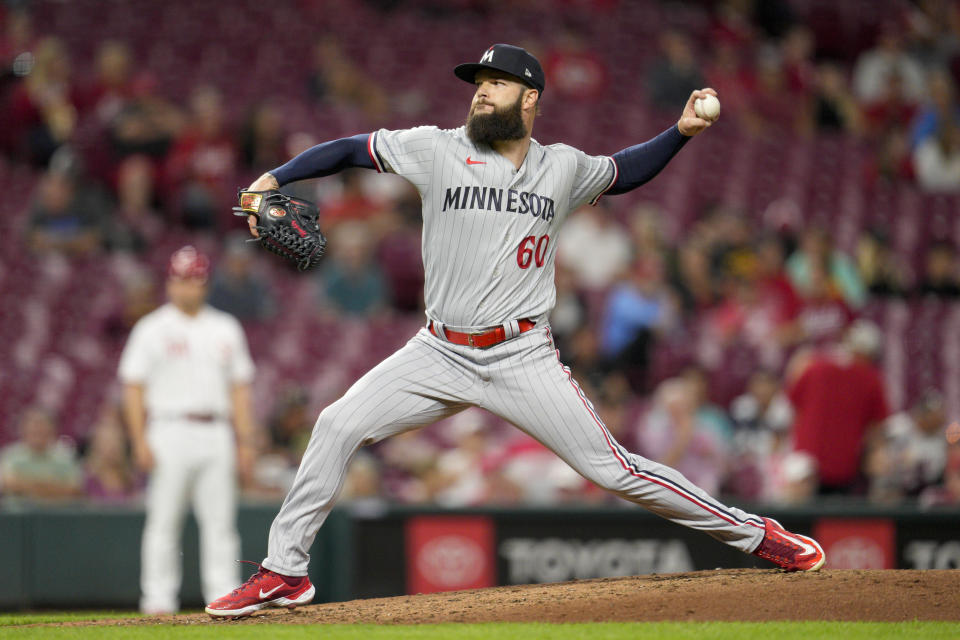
[(263, 589), (789, 551)]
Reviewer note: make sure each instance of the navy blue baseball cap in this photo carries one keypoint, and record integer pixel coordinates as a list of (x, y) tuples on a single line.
[(509, 59)]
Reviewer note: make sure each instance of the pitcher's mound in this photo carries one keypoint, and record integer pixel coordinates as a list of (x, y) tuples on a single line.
[(739, 594)]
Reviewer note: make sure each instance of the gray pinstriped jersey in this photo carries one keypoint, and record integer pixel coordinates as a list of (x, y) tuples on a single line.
[(489, 230)]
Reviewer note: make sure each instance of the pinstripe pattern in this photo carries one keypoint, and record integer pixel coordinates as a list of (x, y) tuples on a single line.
[(520, 380), (470, 253), (478, 210), (555, 412), (418, 385)]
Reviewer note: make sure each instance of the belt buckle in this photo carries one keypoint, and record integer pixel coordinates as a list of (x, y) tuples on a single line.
[(470, 339)]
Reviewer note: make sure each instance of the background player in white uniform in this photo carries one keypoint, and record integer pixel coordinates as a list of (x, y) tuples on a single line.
[(493, 202), (186, 372)]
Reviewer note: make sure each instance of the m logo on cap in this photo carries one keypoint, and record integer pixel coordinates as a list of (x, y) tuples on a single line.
[(488, 56)]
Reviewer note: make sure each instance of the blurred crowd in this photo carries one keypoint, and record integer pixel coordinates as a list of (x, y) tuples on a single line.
[(899, 95), (122, 166)]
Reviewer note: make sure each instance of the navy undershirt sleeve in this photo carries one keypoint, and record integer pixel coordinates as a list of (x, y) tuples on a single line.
[(640, 163), (325, 159)]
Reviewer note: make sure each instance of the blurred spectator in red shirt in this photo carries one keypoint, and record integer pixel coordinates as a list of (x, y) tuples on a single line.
[(892, 110), (202, 165), (797, 50), (733, 22), (823, 315), (113, 84), (774, 283), (351, 204), (675, 73), (839, 401), (101, 100), (758, 301), (573, 70), (754, 313)]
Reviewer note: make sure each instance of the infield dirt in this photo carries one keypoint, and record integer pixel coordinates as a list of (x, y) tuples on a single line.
[(737, 594)]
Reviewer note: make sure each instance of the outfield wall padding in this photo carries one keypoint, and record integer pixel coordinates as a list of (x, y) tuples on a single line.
[(89, 556)]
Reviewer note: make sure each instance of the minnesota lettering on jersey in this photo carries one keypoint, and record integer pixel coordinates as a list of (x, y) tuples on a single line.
[(494, 199)]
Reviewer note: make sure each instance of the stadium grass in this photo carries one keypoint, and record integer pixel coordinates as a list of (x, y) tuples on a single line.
[(490, 631)]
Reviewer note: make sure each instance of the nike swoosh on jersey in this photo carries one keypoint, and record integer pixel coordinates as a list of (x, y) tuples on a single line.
[(469, 161), (264, 595)]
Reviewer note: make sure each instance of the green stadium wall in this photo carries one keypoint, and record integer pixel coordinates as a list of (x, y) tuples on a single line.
[(89, 556)]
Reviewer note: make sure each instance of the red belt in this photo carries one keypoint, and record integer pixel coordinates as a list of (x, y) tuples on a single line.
[(482, 339)]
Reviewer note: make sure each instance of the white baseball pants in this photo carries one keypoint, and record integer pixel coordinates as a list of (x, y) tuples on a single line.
[(521, 380), (194, 464)]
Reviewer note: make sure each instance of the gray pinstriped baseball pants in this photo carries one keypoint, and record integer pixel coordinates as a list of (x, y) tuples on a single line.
[(521, 380)]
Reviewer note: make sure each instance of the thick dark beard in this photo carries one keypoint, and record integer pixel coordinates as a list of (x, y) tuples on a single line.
[(501, 124)]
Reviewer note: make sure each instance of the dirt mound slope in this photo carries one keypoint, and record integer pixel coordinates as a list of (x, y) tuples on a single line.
[(739, 594)]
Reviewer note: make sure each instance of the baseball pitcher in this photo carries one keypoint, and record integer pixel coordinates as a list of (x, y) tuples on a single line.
[(494, 200)]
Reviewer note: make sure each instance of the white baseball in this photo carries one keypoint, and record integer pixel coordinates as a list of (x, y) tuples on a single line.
[(707, 108)]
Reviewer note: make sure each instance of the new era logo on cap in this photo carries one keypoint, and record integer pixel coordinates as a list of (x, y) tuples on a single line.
[(509, 59)]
